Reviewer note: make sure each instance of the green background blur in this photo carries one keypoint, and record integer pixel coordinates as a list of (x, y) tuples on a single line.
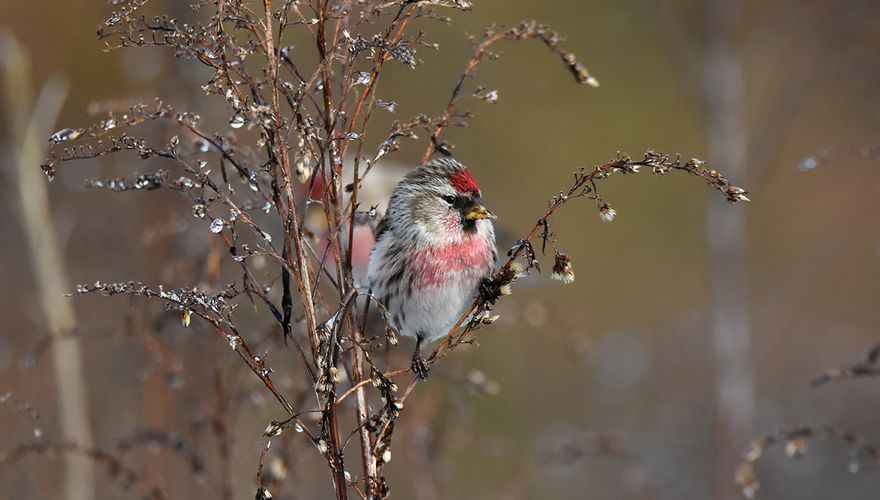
[(627, 349)]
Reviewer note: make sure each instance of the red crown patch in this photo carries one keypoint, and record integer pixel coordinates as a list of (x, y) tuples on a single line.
[(464, 182)]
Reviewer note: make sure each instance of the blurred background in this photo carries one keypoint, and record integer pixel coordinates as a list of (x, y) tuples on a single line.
[(693, 326)]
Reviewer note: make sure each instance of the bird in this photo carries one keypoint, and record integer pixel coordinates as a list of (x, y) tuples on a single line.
[(434, 252)]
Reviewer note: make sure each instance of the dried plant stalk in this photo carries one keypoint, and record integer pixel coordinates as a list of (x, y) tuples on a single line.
[(870, 367), (795, 446)]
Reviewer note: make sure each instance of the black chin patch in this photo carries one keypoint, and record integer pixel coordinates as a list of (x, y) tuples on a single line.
[(469, 226)]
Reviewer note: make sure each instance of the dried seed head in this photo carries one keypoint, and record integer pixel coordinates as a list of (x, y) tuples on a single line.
[(795, 448), (562, 269), (517, 268), (185, 317), (273, 429), (747, 481), (735, 194), (391, 335), (322, 445), (489, 319), (606, 213), (303, 171), (234, 341), (323, 384), (755, 450)]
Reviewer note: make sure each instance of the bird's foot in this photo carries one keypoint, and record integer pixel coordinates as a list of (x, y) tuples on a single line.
[(488, 291), (418, 366)]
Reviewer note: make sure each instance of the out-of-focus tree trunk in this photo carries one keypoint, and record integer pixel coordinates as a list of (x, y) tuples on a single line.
[(726, 232), (29, 128)]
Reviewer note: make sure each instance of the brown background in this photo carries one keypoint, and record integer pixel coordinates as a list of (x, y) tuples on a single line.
[(626, 349)]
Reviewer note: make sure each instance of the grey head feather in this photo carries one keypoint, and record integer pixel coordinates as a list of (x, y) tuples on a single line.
[(432, 177)]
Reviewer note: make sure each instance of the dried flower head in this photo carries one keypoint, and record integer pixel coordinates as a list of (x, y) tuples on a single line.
[(185, 318), (606, 213), (795, 448), (562, 269)]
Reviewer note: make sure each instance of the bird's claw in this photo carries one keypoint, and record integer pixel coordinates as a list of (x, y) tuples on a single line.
[(488, 291), (419, 367)]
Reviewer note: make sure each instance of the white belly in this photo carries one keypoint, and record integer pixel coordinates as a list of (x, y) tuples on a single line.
[(433, 311)]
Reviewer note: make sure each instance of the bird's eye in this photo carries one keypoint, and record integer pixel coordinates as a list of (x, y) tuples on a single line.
[(449, 199)]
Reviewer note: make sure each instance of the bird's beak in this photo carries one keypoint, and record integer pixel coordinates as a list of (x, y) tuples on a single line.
[(477, 212)]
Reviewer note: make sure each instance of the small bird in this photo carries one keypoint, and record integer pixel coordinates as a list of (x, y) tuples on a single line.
[(434, 249)]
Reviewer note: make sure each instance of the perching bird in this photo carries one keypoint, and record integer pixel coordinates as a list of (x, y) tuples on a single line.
[(434, 248)]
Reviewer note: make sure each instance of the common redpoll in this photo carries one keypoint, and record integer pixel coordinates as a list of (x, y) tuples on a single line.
[(434, 248)]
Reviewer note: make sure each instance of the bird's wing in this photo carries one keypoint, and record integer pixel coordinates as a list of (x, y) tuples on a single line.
[(382, 227)]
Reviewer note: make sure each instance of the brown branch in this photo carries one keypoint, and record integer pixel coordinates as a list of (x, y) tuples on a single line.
[(528, 30), (584, 186), (870, 367), (795, 446)]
